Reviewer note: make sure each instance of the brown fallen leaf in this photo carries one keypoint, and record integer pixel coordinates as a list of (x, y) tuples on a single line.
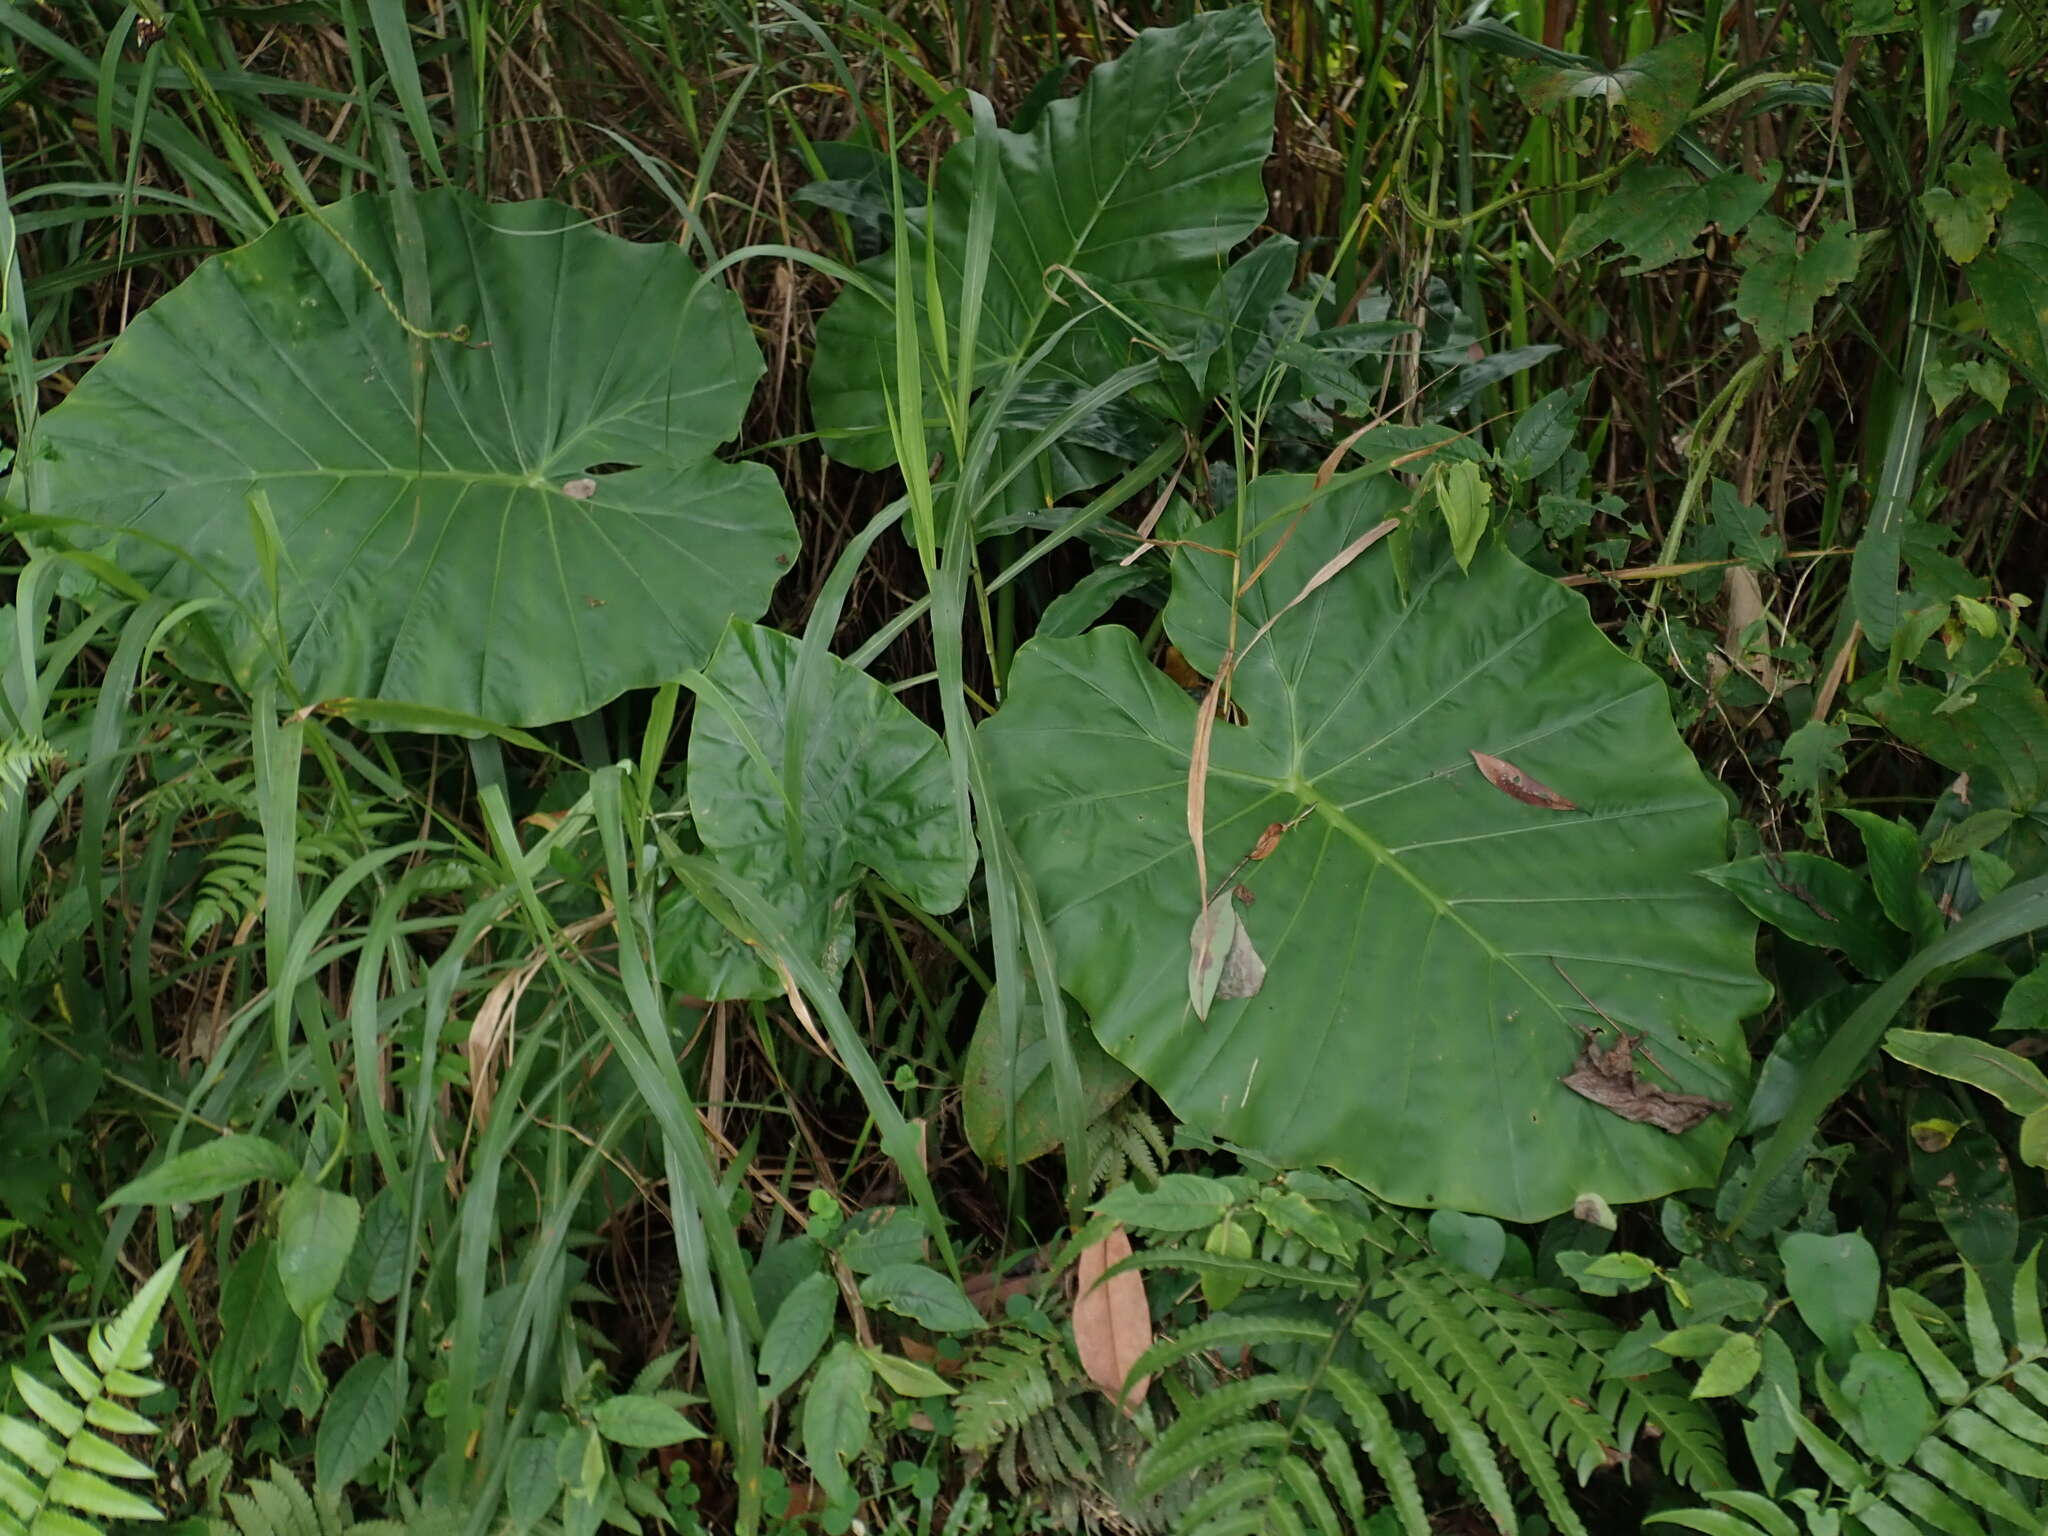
[(1268, 841), (1112, 1323), (1510, 780), (1610, 1079)]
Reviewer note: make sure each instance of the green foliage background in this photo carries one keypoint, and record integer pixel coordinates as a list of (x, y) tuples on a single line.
[(695, 691)]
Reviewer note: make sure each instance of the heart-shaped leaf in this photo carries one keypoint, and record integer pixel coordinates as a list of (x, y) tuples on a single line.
[(1139, 185), (514, 517), (1435, 948), (874, 792)]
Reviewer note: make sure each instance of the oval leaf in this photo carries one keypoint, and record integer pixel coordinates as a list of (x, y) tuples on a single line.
[(358, 1422), (801, 1326), (1434, 948), (523, 528), (646, 1422), (922, 1295), (208, 1172), (836, 1418), (316, 1229)]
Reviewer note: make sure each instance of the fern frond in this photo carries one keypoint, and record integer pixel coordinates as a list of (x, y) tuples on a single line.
[(1470, 1445), (62, 1467), (22, 757), (1006, 1383), (1382, 1446), (1231, 1331), (1437, 1314)]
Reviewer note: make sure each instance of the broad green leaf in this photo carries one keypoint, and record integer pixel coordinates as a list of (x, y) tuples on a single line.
[(316, 1228), (208, 1172), (1893, 853), (2011, 284), (1781, 282), (525, 528), (358, 1422), (1657, 212), (1815, 900), (880, 1236), (797, 1332), (874, 792), (1969, 1184), (1140, 185), (1543, 432), (986, 1085), (837, 1416), (1696, 1341), (644, 1422), (1656, 88), (1889, 1414), (532, 1481), (1427, 935), (1730, 1368), (1177, 1202), (922, 1295), (1998, 728), (2013, 1080), (2025, 1008), (1833, 1283), (383, 1250)]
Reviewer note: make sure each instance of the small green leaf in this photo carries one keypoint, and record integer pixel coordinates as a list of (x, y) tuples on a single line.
[(643, 1422), (1694, 1342), (1622, 1266), (1965, 213), (798, 1331), (1462, 494), (1833, 1282), (316, 1228), (837, 1415), (1781, 283), (906, 1378), (358, 1422), (922, 1295), (1476, 1243), (208, 1172), (1733, 1366), (1889, 1413)]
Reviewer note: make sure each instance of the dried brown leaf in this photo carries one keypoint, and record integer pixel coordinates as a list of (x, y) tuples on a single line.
[(1112, 1322), (1268, 840), (1510, 780), (1610, 1079)]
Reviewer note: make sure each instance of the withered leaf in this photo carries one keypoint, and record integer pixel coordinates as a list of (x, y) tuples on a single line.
[(1610, 1079), (1223, 964), (1510, 780), (1268, 840), (1112, 1322)]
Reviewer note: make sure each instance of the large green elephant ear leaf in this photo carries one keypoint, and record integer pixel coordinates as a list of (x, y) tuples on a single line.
[(516, 519), (875, 791), (1138, 186), (1438, 934)]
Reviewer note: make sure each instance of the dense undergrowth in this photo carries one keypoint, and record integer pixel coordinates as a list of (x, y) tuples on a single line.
[(1024, 767)]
